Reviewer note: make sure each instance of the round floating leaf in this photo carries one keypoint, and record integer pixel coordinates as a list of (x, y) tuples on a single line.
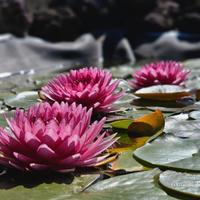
[(185, 183), (195, 114), (186, 128), (188, 164), (165, 150), (162, 92), (136, 186), (22, 100)]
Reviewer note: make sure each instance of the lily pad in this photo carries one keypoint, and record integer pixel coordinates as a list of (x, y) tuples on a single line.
[(22, 100), (166, 150), (136, 186), (162, 92), (185, 183), (186, 128), (195, 114)]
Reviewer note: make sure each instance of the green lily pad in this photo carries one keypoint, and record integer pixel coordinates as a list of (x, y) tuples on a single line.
[(136, 186), (195, 114), (166, 150), (185, 183), (122, 124), (22, 100), (186, 128)]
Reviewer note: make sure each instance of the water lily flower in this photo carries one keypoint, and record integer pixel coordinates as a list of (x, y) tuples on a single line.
[(91, 87), (56, 137), (159, 73)]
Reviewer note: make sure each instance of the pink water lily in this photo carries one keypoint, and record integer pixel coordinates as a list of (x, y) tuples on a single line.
[(159, 73), (91, 87), (56, 137)]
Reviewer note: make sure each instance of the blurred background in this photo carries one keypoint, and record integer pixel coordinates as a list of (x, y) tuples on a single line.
[(48, 33)]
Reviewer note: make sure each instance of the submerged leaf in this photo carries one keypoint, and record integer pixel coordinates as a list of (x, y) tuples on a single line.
[(126, 162)]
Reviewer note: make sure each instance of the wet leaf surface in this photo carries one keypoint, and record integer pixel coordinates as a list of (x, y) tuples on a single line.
[(134, 186), (184, 183), (22, 100)]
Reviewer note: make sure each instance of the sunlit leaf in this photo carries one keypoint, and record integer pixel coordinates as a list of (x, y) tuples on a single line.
[(171, 152), (135, 133), (147, 126), (22, 100), (135, 186), (162, 92), (195, 114), (122, 124)]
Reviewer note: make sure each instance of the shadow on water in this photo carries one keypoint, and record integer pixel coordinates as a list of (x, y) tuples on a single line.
[(12, 178)]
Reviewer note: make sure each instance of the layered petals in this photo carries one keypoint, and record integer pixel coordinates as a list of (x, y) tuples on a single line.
[(160, 73), (56, 137), (90, 87)]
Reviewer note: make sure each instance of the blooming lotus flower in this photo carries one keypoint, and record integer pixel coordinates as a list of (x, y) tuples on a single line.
[(90, 87), (56, 137), (160, 73)]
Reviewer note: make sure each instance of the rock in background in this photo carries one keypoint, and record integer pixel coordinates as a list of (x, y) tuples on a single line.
[(62, 20), (125, 25)]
